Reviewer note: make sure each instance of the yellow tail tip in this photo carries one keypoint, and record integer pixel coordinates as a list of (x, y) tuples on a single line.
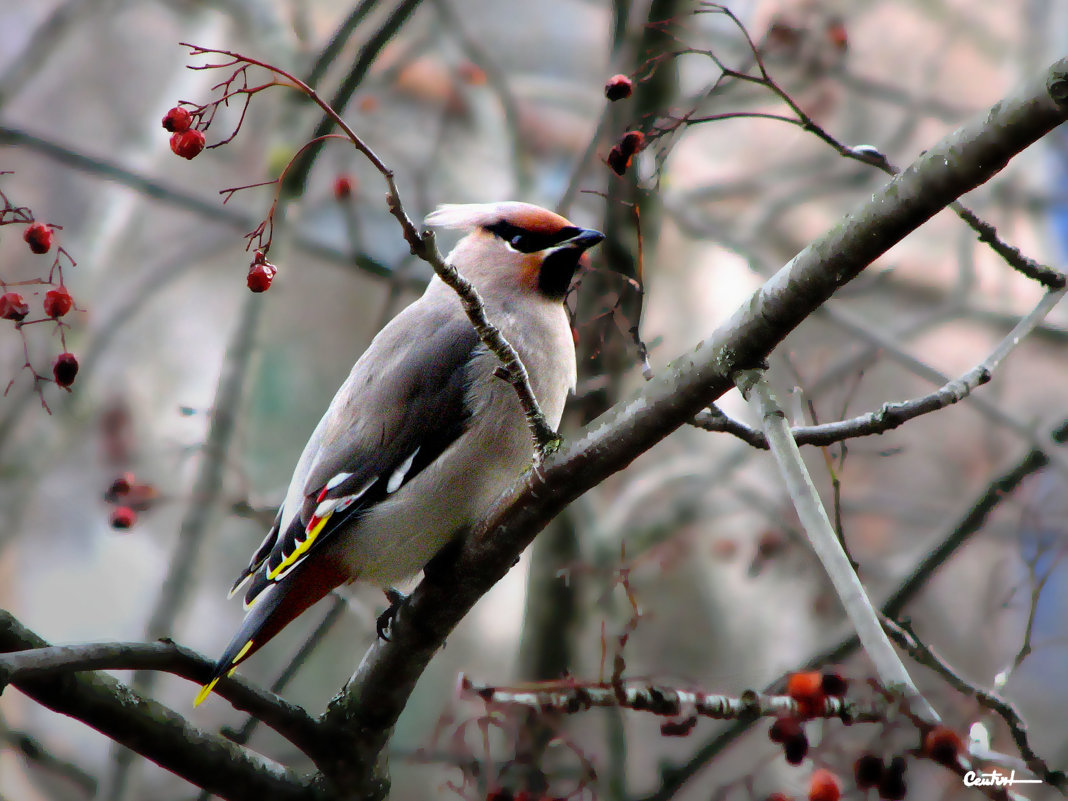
[(205, 691)]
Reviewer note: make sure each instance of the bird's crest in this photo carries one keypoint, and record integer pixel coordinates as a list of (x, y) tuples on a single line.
[(468, 216)]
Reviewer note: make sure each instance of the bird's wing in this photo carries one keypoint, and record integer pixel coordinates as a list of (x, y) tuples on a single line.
[(392, 418)]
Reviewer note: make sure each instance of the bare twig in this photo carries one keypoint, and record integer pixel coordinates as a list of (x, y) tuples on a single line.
[(925, 655), (890, 415)]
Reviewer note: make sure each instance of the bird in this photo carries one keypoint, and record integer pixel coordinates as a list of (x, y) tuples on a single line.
[(424, 433)]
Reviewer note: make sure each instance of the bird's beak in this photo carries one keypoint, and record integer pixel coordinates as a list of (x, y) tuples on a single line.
[(584, 240)]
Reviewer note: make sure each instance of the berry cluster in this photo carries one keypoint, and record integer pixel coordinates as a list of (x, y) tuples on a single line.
[(40, 238), (186, 141), (810, 691)]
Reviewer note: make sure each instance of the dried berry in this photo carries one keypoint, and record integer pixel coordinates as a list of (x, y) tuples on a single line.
[(867, 771), (892, 784), (261, 274), (120, 487), (39, 237), (632, 142), (13, 306), (344, 186), (57, 302), (678, 728), (618, 87), (187, 144), (823, 786), (177, 120), (832, 683), (617, 161), (64, 369), (943, 745), (795, 749), (783, 729), (123, 517)]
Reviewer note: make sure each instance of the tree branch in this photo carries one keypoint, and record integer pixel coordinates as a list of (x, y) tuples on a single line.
[(890, 415), (153, 730), (364, 712)]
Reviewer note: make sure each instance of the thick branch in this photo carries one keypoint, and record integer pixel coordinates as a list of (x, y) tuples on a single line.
[(153, 730), (290, 721), (367, 708)]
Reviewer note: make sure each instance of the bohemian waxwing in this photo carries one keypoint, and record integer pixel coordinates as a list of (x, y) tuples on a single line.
[(422, 436)]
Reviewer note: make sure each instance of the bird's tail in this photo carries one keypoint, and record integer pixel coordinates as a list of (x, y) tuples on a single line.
[(270, 612)]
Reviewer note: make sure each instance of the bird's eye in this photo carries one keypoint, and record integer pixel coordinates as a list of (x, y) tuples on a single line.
[(517, 242)]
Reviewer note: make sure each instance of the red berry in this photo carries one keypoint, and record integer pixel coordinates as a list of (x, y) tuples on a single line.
[(618, 87), (807, 689), (943, 745), (39, 237), (123, 517), (260, 275), (823, 786), (344, 185), (64, 369), (13, 306), (187, 144), (177, 120), (632, 142), (57, 302), (867, 771)]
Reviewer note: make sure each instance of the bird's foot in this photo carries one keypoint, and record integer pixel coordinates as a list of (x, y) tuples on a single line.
[(396, 599)]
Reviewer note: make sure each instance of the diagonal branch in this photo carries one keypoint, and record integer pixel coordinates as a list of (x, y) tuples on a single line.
[(824, 541)]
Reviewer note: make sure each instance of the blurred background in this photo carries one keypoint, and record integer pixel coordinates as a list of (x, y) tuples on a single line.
[(483, 100)]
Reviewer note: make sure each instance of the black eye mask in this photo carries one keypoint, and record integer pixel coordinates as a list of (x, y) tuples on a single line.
[(531, 241)]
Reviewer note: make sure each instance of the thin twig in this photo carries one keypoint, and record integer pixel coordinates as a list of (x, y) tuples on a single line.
[(890, 415), (925, 655)]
